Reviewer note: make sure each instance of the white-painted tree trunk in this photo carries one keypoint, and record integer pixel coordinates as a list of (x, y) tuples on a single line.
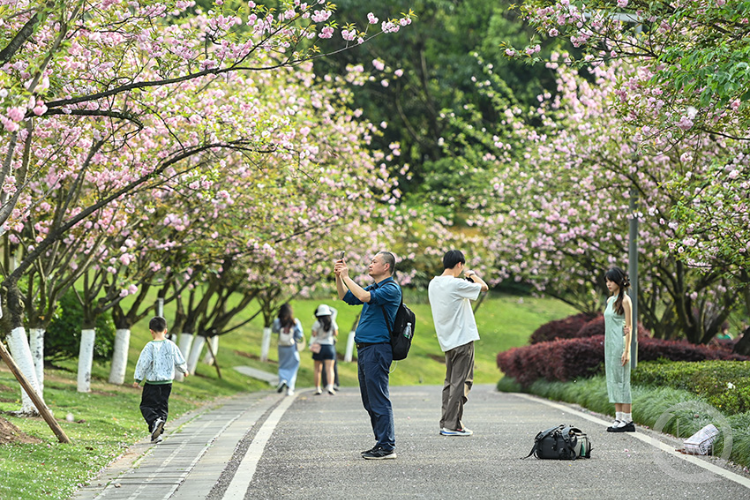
[(349, 347), (120, 356), (195, 353), (86, 360), (37, 354), (265, 344), (19, 349), (184, 342), (208, 359)]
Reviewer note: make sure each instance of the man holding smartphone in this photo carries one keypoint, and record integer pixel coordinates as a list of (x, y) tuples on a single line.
[(373, 340), (456, 331)]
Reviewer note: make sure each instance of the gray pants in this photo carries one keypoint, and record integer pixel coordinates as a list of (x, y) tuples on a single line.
[(459, 377)]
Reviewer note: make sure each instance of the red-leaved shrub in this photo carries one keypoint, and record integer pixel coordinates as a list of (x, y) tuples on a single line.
[(561, 359), (568, 359), (596, 327), (682, 350), (565, 328)]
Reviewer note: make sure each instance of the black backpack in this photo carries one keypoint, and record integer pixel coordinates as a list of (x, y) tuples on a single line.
[(402, 330), (563, 442)]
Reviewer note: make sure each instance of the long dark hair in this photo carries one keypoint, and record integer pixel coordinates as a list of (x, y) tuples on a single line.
[(325, 322), (620, 278), (286, 316)]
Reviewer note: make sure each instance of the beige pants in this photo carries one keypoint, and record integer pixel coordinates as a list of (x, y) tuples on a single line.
[(459, 377)]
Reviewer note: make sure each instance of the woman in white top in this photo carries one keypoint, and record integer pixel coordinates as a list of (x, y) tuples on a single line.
[(324, 332)]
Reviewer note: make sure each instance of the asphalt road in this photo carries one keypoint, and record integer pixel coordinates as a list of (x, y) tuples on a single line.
[(268, 446)]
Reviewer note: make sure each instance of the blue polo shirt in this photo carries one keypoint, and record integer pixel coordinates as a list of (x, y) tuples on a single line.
[(372, 328)]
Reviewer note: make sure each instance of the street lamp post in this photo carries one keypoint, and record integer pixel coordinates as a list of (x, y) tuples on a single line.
[(633, 273)]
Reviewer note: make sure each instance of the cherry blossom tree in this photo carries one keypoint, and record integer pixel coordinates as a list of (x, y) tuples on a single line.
[(119, 74), (558, 205), (692, 81)]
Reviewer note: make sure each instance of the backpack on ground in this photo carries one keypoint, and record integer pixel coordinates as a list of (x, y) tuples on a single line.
[(402, 330), (563, 442)]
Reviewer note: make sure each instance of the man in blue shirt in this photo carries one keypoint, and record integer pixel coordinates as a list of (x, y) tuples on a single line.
[(374, 354)]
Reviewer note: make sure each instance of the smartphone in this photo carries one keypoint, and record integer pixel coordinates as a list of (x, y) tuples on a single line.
[(342, 255)]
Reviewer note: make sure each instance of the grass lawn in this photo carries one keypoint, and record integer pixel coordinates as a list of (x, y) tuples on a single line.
[(107, 420)]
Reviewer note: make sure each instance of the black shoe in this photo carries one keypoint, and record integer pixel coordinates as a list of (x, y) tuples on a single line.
[(158, 429), (369, 451), (379, 453), (629, 427), (281, 387)]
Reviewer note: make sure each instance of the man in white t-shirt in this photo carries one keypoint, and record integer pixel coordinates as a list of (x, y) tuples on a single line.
[(456, 332)]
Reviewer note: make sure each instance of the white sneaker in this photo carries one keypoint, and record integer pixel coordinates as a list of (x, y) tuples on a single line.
[(290, 392), (158, 429), (457, 432)]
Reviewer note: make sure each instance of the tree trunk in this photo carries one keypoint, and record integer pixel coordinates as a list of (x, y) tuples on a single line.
[(120, 356), (208, 358), (265, 344), (37, 353), (19, 349), (195, 353), (185, 342), (743, 345), (86, 359)]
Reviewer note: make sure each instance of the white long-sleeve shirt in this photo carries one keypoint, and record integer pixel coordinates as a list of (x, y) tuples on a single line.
[(157, 362)]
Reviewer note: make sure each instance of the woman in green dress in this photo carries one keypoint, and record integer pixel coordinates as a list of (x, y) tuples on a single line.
[(618, 321)]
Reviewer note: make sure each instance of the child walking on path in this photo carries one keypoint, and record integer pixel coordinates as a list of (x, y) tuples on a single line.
[(156, 368)]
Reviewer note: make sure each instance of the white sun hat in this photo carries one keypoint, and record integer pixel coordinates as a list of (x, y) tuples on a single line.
[(323, 310)]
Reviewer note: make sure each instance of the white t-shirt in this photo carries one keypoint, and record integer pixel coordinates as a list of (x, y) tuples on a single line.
[(322, 337), (451, 310)]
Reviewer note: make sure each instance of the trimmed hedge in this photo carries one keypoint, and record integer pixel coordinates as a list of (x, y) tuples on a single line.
[(562, 359), (569, 359), (725, 385), (566, 328)]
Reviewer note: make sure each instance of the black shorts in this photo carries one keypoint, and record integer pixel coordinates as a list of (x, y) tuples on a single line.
[(326, 352)]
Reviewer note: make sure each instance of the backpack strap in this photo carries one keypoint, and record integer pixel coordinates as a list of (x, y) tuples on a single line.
[(382, 307), (539, 437), (570, 441)]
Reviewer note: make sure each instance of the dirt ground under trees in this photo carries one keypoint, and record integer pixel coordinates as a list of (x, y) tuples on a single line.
[(9, 433)]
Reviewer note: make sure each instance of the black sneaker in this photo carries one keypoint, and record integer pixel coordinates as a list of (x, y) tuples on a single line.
[(280, 388), (379, 454), (369, 451), (158, 429)]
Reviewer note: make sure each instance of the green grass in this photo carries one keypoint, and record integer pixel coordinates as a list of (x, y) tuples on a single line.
[(683, 413), (108, 420)]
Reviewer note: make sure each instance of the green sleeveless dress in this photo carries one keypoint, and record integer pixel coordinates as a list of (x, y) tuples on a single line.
[(618, 376)]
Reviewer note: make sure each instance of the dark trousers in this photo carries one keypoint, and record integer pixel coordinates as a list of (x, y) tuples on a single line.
[(459, 377), (373, 363), (155, 403)]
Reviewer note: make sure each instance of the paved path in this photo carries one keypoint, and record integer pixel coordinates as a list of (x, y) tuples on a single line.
[(265, 445)]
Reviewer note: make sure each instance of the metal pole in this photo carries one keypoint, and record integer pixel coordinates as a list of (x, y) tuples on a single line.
[(160, 306), (633, 272)]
